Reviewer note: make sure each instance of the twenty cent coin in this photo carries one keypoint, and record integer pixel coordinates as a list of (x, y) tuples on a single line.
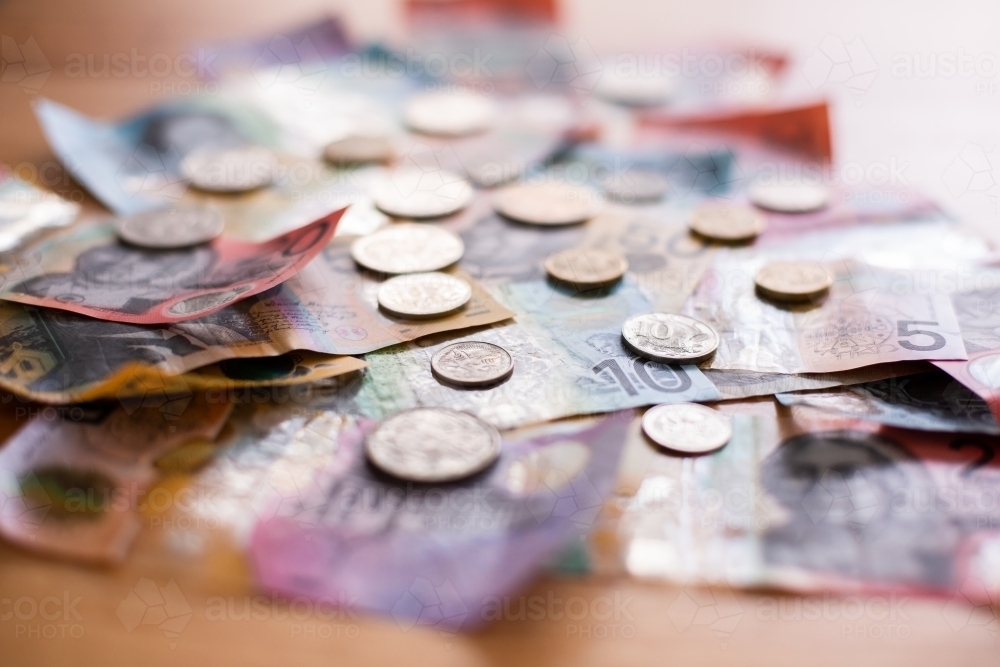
[(358, 149), (171, 228), (725, 222), (669, 338), (237, 169), (423, 295), (449, 114), (789, 198), (432, 445), (472, 364), (586, 267), (793, 281), (547, 204), (687, 427), (408, 247), (410, 192)]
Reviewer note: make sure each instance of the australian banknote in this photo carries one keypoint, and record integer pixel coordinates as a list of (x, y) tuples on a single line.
[(26, 210), (747, 384)]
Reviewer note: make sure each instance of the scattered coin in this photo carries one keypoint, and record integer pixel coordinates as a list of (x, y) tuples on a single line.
[(449, 114), (669, 338), (407, 247), (411, 192), (687, 427), (432, 445), (472, 364), (229, 169), (793, 281), (171, 228), (725, 222), (586, 267), (633, 89), (359, 149), (637, 186), (547, 203), (423, 295), (789, 198)]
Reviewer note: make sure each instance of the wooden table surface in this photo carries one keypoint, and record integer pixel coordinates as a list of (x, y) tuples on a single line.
[(54, 612)]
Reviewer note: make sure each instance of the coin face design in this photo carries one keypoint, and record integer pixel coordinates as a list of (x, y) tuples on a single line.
[(423, 295), (472, 364), (411, 192), (407, 247), (432, 445), (547, 203), (669, 338), (725, 222), (793, 281), (586, 267), (637, 186), (450, 114), (687, 427), (789, 198), (171, 228), (237, 169), (358, 149)]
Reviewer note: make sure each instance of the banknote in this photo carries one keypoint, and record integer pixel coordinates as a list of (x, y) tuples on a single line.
[(568, 360), (746, 384), (26, 210), (73, 486), (88, 270)]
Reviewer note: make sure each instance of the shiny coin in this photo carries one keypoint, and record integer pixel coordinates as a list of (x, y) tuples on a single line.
[(472, 364), (171, 228), (423, 295), (728, 223), (793, 281), (669, 338), (449, 114), (408, 247), (432, 445), (789, 198), (687, 427), (358, 149), (410, 192), (547, 204), (229, 169), (586, 267), (637, 186)]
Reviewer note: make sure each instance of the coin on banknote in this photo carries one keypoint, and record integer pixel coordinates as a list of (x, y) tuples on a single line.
[(449, 114), (432, 445), (725, 222), (408, 247), (472, 364), (687, 427), (358, 149), (423, 295), (669, 338), (171, 228), (238, 169), (411, 192), (789, 197), (586, 267), (547, 203), (637, 186), (793, 281)]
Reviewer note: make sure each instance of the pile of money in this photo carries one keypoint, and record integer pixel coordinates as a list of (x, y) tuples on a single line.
[(406, 335)]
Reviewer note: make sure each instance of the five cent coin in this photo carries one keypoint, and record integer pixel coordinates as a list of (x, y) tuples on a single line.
[(230, 169), (790, 198), (358, 149), (410, 192), (547, 204), (472, 364), (423, 295), (586, 267), (669, 338), (408, 247), (171, 228), (687, 427), (728, 223), (449, 114), (793, 281)]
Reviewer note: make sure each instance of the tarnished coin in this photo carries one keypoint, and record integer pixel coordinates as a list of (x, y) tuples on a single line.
[(410, 192), (789, 198), (449, 114), (687, 427), (432, 445), (793, 281), (408, 247), (472, 364), (637, 186), (229, 169), (669, 338), (423, 295), (586, 267), (359, 149), (547, 203), (171, 228), (725, 222)]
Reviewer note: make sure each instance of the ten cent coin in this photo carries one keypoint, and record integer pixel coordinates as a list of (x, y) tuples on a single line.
[(793, 281), (229, 169), (687, 427), (171, 228), (586, 267), (408, 247), (790, 198), (410, 192), (669, 338), (547, 204), (423, 295), (472, 364), (728, 223)]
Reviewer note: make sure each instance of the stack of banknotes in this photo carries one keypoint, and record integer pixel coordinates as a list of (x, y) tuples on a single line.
[(413, 338)]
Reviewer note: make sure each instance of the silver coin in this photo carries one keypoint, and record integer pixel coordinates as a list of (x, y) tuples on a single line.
[(669, 338), (725, 222), (423, 295), (789, 198), (586, 267), (793, 281), (411, 192), (408, 247), (472, 364), (637, 186), (229, 169), (634, 89), (432, 445), (687, 427), (449, 114), (547, 203), (358, 149), (171, 228)]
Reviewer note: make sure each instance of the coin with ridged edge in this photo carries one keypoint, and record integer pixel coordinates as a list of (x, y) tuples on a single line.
[(726, 223), (670, 338), (432, 445), (407, 247), (586, 267), (547, 204), (472, 364), (171, 228), (688, 428), (793, 281), (238, 169), (423, 295)]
